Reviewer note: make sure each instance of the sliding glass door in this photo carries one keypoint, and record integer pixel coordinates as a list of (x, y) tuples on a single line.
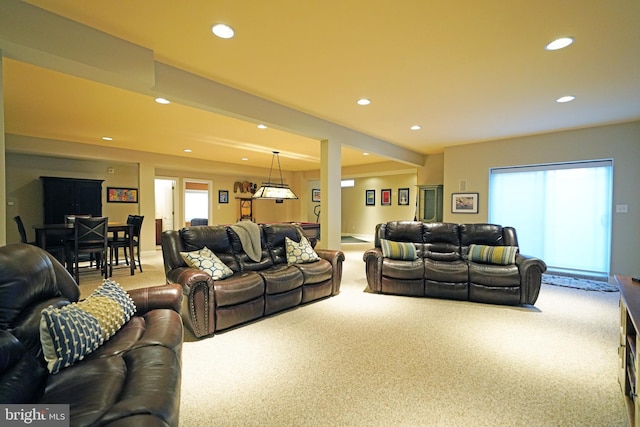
[(561, 212)]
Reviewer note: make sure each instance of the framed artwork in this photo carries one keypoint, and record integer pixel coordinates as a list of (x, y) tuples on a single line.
[(464, 203), (370, 197), (122, 195), (223, 196), (403, 196), (315, 195), (385, 197)]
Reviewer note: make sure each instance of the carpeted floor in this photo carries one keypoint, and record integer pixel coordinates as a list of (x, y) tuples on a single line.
[(363, 359), (351, 239)]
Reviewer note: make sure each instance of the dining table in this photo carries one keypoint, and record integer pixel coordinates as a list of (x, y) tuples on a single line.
[(64, 232)]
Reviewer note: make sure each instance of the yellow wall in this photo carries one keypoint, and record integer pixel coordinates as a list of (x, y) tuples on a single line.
[(618, 142)]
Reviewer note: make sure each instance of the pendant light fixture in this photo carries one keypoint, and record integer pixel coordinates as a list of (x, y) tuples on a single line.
[(273, 190)]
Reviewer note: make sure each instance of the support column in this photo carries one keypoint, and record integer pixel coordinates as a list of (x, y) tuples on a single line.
[(331, 200), (3, 160)]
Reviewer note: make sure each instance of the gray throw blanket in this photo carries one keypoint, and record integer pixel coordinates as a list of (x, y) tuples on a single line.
[(249, 234)]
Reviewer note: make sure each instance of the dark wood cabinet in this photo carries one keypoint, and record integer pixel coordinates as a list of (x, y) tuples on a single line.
[(66, 196)]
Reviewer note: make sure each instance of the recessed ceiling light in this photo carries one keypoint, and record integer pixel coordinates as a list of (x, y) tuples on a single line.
[(560, 43), (163, 101), (567, 98), (416, 127), (187, 150), (244, 159), (107, 138), (365, 154), (364, 101), (261, 126), (223, 31)]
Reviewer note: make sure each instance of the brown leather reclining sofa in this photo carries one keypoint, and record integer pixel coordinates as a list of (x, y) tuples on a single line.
[(443, 267), (256, 288), (132, 379)]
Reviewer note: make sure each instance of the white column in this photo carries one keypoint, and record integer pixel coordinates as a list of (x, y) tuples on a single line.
[(331, 201), (3, 176)]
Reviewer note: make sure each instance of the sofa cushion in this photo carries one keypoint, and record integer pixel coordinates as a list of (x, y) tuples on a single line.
[(300, 253), (71, 332), (398, 250), (208, 262), (503, 255)]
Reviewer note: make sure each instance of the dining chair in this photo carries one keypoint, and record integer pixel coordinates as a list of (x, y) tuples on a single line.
[(22, 231), (118, 242), (199, 221), (71, 219), (89, 237)]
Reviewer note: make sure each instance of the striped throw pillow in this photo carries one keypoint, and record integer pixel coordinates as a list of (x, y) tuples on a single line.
[(503, 255), (398, 250)]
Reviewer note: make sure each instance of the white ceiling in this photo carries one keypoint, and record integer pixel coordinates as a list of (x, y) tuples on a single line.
[(466, 71)]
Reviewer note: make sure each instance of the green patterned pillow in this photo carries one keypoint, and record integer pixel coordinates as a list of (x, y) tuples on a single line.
[(503, 255), (300, 253), (398, 250), (208, 262), (69, 333)]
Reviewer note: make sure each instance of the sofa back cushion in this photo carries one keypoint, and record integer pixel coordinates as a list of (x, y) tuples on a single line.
[(274, 235), (404, 231), (481, 234), (214, 237), (244, 261), (442, 241), (29, 276)]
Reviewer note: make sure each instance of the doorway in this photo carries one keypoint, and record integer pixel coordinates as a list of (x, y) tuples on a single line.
[(165, 205), (197, 200)]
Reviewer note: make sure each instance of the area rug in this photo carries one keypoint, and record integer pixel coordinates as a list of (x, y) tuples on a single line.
[(578, 283)]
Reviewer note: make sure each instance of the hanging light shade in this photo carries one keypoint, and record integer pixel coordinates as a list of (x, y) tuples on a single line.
[(274, 190)]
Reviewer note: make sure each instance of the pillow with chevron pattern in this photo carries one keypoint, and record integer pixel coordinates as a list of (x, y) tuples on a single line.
[(398, 250), (69, 333), (503, 255)]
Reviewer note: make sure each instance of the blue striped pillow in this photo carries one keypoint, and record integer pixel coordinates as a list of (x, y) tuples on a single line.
[(398, 250), (503, 255)]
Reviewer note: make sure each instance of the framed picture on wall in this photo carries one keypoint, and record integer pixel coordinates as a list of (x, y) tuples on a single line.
[(315, 195), (403, 196), (223, 196), (464, 203), (370, 197), (122, 195), (385, 197)]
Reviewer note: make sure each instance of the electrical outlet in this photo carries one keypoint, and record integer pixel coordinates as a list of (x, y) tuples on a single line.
[(622, 208)]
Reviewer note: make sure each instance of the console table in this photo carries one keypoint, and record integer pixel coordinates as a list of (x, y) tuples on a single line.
[(629, 343)]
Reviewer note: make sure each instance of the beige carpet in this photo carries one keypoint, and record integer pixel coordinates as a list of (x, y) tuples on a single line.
[(363, 359)]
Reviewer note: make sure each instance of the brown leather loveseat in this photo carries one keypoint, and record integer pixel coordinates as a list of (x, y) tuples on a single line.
[(131, 379), (256, 287), (474, 262)]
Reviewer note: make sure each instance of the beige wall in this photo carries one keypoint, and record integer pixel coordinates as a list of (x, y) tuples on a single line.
[(618, 142), (470, 163), (360, 219), (29, 158)]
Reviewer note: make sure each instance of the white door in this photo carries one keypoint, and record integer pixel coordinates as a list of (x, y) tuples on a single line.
[(165, 200)]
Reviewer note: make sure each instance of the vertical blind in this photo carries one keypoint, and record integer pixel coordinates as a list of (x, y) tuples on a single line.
[(561, 212)]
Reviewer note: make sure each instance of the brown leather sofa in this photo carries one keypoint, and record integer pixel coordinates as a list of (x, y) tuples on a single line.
[(255, 289), (132, 379), (443, 268)]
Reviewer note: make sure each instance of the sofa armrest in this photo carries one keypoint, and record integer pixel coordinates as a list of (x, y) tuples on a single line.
[(336, 258), (531, 269), (155, 297), (373, 268), (198, 302)]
